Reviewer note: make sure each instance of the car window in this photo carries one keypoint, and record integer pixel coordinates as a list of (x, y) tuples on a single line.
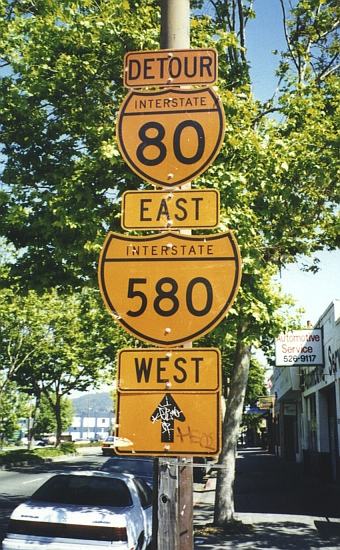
[(85, 490), (144, 492)]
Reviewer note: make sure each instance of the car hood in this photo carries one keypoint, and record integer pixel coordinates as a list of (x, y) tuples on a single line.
[(71, 514)]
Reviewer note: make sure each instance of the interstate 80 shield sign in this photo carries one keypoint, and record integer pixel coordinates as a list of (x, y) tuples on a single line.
[(169, 137), (168, 288)]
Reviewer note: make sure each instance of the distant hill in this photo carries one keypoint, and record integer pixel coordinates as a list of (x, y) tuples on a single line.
[(93, 404)]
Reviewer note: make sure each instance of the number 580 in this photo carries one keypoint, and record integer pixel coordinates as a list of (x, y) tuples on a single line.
[(165, 301)]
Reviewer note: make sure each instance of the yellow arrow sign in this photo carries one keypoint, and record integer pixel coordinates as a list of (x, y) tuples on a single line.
[(165, 423)]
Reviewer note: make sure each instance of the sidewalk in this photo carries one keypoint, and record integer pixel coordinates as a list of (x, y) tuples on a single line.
[(280, 508)]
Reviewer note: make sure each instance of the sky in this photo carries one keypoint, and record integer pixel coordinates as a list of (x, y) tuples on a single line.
[(313, 292)]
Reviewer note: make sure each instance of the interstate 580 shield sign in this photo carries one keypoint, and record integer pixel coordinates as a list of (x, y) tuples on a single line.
[(167, 288), (169, 137)]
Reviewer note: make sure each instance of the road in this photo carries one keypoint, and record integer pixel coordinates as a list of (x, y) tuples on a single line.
[(19, 483)]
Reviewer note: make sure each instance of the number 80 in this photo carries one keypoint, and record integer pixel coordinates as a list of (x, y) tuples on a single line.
[(157, 141)]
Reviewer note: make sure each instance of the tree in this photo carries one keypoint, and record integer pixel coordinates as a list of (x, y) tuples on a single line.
[(45, 420), (60, 88), (13, 406), (17, 343), (54, 343)]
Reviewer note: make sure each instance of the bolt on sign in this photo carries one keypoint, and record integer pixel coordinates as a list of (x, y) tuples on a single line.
[(170, 209), (169, 137), (169, 401), (168, 288), (170, 67)]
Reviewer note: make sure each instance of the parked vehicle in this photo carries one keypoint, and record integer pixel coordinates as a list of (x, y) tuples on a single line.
[(199, 472), (108, 447), (111, 442), (140, 466), (40, 443), (85, 511)]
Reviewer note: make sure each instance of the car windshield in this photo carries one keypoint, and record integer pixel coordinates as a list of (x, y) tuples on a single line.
[(84, 490), (129, 465)]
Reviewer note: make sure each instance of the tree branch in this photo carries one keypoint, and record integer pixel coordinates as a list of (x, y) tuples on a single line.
[(329, 69), (266, 112), (242, 30), (333, 28), (287, 36)]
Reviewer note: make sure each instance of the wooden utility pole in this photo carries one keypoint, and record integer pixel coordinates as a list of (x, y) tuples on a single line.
[(175, 499)]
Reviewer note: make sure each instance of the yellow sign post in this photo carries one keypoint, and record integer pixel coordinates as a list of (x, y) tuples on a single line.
[(165, 423), (170, 209), (157, 370), (170, 67), (170, 288), (167, 288), (169, 401), (169, 137)]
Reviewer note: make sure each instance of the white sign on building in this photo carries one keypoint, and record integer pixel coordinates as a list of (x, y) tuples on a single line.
[(299, 348)]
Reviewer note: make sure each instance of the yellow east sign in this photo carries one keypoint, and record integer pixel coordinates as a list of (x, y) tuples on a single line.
[(169, 288), (196, 369), (168, 137), (170, 209), (178, 423)]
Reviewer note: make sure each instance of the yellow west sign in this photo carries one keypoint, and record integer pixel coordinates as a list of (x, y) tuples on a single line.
[(170, 136), (170, 67), (197, 369), (162, 423), (169, 288), (170, 209)]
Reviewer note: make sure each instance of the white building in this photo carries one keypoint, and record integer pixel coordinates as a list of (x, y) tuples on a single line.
[(91, 427), (307, 408)]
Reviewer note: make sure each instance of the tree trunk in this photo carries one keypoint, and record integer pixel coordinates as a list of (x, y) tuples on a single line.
[(31, 422), (224, 499), (57, 409)]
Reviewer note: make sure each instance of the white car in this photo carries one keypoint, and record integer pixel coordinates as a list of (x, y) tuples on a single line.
[(84, 511)]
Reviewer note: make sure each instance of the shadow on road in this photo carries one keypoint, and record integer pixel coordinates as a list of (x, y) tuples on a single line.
[(282, 535), (266, 483), (280, 507)]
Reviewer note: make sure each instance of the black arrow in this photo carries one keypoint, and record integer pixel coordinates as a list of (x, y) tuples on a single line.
[(167, 412)]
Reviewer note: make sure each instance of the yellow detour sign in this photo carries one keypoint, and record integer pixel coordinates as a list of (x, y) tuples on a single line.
[(169, 137), (170, 209), (169, 288), (170, 67), (197, 369), (165, 423)]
